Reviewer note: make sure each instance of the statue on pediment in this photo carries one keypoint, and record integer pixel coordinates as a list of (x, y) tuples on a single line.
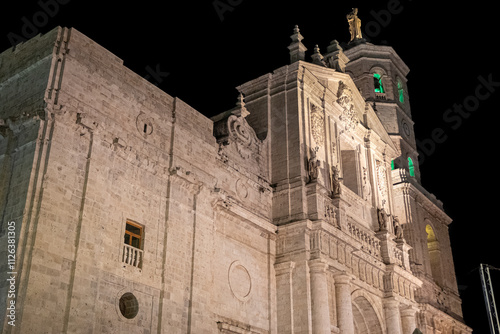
[(354, 25)]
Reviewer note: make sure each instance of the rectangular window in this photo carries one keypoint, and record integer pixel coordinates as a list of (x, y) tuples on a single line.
[(350, 170), (133, 235), (133, 242)]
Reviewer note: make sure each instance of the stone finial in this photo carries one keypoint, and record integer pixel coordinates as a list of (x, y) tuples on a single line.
[(335, 57), (297, 49), (240, 110), (317, 58)]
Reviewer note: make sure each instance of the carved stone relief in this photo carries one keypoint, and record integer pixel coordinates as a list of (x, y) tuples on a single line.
[(381, 179), (344, 99), (245, 137), (241, 189), (318, 125)]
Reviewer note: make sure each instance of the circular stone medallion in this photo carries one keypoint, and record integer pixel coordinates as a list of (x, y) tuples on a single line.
[(240, 281)]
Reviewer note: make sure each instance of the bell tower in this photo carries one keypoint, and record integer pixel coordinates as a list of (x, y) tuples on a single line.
[(380, 75)]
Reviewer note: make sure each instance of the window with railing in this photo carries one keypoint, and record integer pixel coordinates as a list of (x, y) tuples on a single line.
[(377, 83), (132, 247)]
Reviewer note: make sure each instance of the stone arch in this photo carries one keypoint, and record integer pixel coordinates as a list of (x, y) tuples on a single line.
[(367, 314), (380, 70), (434, 252)]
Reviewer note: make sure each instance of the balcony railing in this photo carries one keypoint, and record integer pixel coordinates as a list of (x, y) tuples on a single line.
[(369, 243), (132, 256)]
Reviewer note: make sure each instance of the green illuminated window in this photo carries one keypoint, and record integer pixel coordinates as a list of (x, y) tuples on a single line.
[(411, 167), (392, 165), (401, 92), (377, 82)]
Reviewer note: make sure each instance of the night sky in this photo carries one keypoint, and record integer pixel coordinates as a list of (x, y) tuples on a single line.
[(200, 51)]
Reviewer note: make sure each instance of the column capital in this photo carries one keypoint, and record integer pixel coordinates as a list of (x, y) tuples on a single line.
[(342, 277), (390, 302), (408, 318), (408, 310), (317, 266), (284, 267)]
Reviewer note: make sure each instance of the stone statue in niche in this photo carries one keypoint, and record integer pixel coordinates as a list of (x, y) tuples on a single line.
[(366, 185), (313, 166), (382, 219), (335, 182), (398, 230)]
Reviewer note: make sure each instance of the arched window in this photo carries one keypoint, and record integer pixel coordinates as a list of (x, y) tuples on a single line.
[(411, 167), (401, 91), (377, 82), (434, 254)]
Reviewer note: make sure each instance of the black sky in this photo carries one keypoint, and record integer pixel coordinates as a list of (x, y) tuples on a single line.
[(450, 50)]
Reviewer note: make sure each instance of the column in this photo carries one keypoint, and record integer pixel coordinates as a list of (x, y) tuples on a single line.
[(392, 316), (345, 320), (319, 298), (408, 320)]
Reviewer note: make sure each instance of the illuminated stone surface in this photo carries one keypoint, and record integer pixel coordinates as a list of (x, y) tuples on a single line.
[(241, 230)]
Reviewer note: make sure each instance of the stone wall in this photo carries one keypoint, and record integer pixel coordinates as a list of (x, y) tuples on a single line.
[(244, 226), (116, 149)]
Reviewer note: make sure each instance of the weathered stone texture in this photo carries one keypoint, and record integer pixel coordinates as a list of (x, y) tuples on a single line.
[(245, 228)]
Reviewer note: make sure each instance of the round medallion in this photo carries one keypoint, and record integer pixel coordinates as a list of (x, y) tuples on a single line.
[(406, 129), (144, 124), (240, 281), (241, 189)]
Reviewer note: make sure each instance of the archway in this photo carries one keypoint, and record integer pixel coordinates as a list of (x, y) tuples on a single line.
[(366, 320), (434, 254)]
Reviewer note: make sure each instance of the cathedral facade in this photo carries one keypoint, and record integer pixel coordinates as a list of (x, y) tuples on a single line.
[(300, 210)]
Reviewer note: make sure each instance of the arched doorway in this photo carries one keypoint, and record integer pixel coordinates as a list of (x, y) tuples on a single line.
[(366, 319)]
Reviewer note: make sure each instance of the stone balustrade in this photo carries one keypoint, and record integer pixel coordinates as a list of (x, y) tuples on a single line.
[(369, 242), (132, 256)]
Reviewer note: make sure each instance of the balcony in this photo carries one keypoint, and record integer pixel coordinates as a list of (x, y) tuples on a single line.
[(369, 242), (132, 256)]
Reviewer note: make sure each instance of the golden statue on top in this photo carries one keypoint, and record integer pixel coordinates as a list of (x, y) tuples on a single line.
[(354, 25)]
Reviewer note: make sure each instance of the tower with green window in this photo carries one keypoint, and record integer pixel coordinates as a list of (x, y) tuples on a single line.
[(380, 75)]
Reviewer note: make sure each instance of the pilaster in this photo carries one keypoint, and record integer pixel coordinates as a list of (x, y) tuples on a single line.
[(284, 289)]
